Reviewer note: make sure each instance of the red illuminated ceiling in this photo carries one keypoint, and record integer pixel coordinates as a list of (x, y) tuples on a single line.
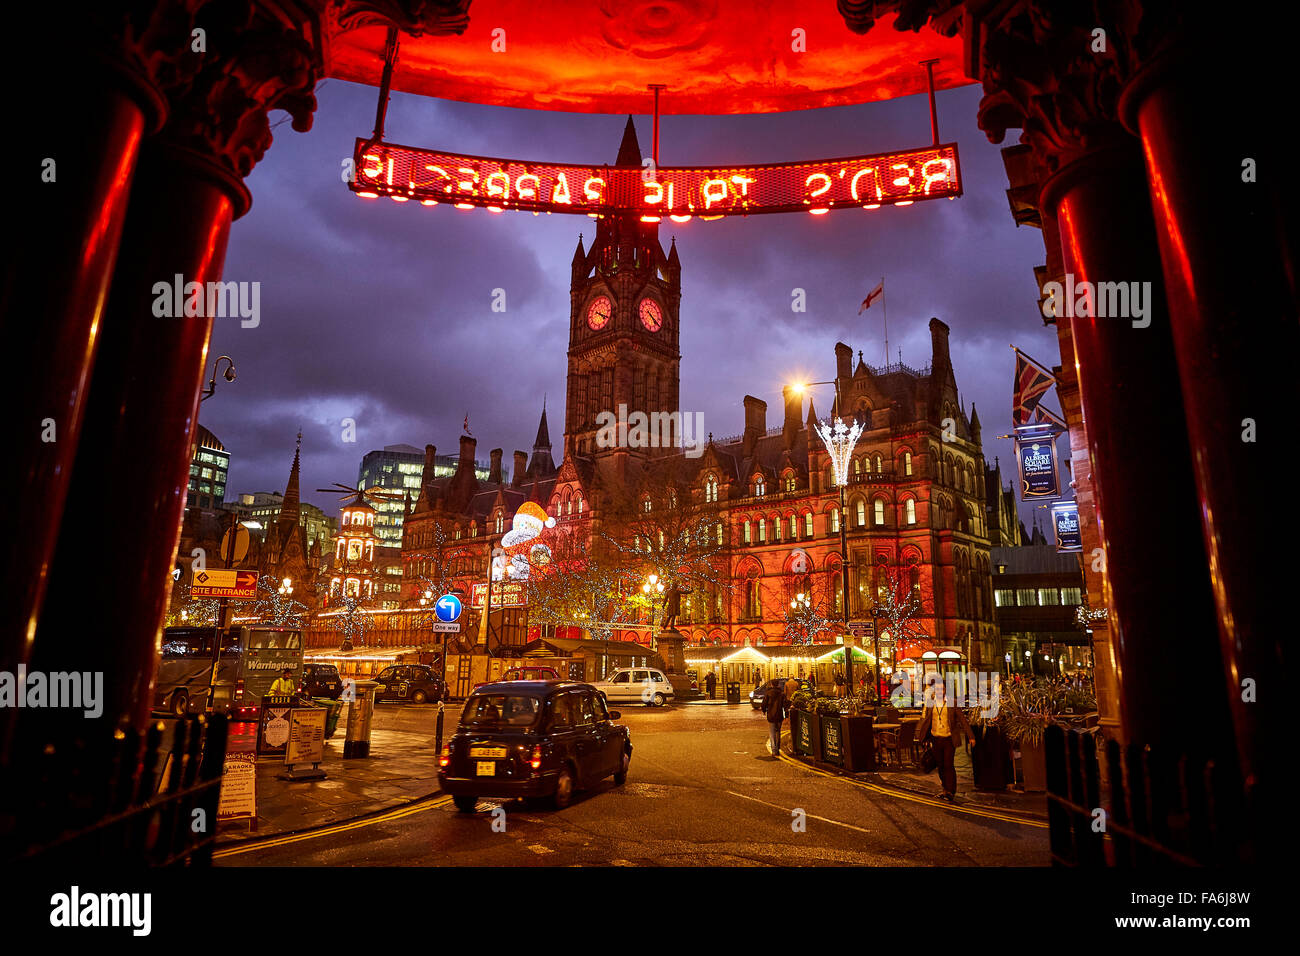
[(597, 56)]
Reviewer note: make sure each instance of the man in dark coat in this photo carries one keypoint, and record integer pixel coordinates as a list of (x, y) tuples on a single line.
[(776, 705), (710, 683)]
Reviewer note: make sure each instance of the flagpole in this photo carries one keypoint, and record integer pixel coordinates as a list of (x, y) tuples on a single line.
[(1033, 361), (884, 311)]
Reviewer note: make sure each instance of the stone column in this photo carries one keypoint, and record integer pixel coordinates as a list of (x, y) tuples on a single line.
[(74, 158), (122, 519), (1229, 270), (1041, 75)]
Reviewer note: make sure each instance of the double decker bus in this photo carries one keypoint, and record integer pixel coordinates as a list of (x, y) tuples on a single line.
[(252, 657)]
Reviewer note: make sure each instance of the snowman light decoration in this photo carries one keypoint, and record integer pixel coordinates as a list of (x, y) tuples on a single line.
[(519, 545)]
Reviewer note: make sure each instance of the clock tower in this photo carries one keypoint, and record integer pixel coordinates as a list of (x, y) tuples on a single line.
[(624, 295)]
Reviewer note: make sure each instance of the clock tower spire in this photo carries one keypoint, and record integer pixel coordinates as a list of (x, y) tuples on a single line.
[(624, 301)]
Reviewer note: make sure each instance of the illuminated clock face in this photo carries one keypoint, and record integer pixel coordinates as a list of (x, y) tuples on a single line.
[(651, 315), (598, 313)]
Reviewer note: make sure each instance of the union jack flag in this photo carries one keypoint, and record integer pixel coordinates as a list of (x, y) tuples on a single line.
[(1032, 382)]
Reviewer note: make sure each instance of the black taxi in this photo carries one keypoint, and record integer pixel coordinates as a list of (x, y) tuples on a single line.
[(533, 739)]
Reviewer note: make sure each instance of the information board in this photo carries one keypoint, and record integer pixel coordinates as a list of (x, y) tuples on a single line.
[(832, 745), (306, 735), (273, 725), (238, 798)]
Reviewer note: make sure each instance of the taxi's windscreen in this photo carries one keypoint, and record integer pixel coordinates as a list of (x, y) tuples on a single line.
[(486, 711)]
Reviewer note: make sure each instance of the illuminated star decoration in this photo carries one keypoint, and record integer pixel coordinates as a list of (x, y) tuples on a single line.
[(839, 440)]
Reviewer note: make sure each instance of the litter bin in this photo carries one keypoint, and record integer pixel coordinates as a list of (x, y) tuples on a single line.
[(357, 742), (333, 708), (733, 693)]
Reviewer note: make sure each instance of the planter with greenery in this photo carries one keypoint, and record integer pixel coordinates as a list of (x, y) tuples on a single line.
[(1024, 712)]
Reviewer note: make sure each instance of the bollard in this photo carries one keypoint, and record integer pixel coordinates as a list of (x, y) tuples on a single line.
[(437, 745), (357, 742)]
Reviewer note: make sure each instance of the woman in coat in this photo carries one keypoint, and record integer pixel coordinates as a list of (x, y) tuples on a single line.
[(944, 725)]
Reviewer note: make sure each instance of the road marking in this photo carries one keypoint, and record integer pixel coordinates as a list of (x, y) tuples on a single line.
[(810, 816), (899, 795), (428, 803)]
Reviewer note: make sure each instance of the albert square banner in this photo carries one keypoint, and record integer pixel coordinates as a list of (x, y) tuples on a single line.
[(1036, 459), (1065, 522)]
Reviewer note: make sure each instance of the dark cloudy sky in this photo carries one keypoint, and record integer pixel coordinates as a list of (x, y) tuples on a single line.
[(381, 312)]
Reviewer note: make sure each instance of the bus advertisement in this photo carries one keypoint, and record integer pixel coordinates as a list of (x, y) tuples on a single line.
[(252, 657)]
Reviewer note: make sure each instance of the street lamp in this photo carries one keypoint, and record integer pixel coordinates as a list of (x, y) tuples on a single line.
[(286, 586), (839, 440)]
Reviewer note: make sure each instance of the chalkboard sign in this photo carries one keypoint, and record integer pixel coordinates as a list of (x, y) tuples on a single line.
[(832, 741), (803, 742)]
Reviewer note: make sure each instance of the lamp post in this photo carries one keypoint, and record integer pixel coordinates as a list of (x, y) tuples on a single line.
[(839, 440)]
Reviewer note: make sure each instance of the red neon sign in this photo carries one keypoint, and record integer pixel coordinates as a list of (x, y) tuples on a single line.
[(404, 173)]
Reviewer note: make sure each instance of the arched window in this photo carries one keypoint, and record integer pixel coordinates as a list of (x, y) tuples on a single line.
[(880, 511), (862, 513), (473, 529), (711, 489), (646, 505), (753, 597), (500, 524), (808, 525), (911, 511), (794, 526), (835, 521), (762, 530), (879, 469), (578, 498), (790, 483), (857, 467), (568, 506), (907, 462), (760, 486), (748, 539)]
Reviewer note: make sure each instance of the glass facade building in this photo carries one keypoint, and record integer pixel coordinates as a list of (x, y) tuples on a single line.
[(399, 469), (208, 469)]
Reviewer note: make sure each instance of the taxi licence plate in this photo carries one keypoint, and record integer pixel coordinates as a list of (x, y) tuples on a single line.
[(496, 753), (486, 768)]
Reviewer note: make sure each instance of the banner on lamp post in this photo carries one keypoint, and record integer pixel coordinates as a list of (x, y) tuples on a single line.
[(1036, 461), (1065, 522)]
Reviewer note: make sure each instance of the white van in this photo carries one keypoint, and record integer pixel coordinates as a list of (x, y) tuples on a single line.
[(632, 684)]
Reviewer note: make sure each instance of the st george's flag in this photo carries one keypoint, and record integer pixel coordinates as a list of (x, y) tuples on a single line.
[(872, 296), (1032, 382)]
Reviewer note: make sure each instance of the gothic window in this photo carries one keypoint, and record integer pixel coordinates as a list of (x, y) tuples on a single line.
[(879, 469), (857, 467), (794, 526), (790, 483), (808, 525), (500, 525), (880, 512), (579, 500), (762, 530), (760, 486), (747, 538), (473, 529), (911, 511), (646, 505), (835, 521), (711, 488), (862, 513), (907, 462), (719, 532)]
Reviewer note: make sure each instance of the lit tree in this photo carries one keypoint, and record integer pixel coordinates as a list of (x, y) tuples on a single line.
[(661, 529), (355, 622), (899, 609), (192, 612), (804, 619), (577, 582), (275, 603)]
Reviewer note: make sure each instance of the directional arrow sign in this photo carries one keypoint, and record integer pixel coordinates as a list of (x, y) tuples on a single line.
[(221, 583), (447, 608)]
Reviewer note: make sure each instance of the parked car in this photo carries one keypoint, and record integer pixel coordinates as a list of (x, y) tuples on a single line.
[(416, 683), (524, 673), (759, 693), (644, 685), (532, 740), (321, 680)]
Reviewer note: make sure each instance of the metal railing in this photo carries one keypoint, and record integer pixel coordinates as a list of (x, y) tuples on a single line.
[(1159, 808), (130, 801)]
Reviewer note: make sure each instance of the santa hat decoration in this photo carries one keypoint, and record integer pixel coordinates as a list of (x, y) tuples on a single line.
[(528, 523)]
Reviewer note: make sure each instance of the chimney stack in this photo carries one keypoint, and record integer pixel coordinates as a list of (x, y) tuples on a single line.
[(521, 469), (755, 423), (494, 471), (793, 414), (939, 344), (465, 464), (430, 453), (843, 361)]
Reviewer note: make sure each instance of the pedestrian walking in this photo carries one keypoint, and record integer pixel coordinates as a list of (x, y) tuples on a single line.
[(711, 683), (944, 726), (776, 706), (840, 685)]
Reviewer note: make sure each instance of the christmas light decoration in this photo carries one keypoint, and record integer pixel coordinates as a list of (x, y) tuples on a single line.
[(839, 440)]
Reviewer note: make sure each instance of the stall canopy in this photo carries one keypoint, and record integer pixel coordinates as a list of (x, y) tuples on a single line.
[(594, 56)]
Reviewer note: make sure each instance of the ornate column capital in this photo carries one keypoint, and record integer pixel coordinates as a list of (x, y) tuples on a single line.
[(416, 17), (255, 62), (1042, 70)]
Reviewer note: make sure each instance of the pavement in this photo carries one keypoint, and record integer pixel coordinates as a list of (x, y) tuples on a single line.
[(402, 767), (702, 791)]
